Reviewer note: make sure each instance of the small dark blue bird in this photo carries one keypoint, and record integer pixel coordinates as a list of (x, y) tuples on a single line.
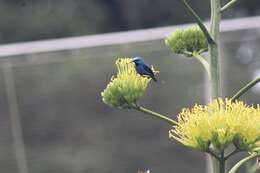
[(142, 68)]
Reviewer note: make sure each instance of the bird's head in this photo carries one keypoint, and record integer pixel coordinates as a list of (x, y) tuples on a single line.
[(138, 60)]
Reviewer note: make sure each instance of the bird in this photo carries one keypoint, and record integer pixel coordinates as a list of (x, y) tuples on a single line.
[(143, 69)]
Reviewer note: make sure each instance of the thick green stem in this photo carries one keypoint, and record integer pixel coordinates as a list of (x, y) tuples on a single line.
[(156, 115), (198, 21), (245, 89), (214, 50), (218, 165)]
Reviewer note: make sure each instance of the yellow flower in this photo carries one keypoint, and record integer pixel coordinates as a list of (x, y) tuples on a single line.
[(220, 123), (127, 87)]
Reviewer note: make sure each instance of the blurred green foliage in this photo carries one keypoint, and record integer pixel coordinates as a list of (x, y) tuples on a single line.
[(26, 20)]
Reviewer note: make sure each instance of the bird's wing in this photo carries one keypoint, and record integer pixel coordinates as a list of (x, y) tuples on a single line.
[(147, 69)]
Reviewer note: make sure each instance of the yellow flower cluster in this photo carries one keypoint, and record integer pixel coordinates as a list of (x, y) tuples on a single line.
[(220, 123), (127, 87)]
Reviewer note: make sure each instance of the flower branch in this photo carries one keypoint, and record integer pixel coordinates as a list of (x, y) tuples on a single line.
[(200, 58), (245, 89), (202, 61), (213, 154), (222, 162), (155, 114), (228, 5), (232, 153), (199, 22), (243, 161)]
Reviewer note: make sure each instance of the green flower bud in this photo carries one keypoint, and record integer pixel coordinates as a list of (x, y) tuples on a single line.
[(185, 41), (127, 87)]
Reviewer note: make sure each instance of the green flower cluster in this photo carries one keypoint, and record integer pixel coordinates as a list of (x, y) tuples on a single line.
[(127, 87), (187, 41)]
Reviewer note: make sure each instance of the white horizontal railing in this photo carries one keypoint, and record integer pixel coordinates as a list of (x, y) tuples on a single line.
[(114, 38)]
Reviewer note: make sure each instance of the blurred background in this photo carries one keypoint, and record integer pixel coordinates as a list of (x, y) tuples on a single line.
[(52, 119), (26, 20)]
